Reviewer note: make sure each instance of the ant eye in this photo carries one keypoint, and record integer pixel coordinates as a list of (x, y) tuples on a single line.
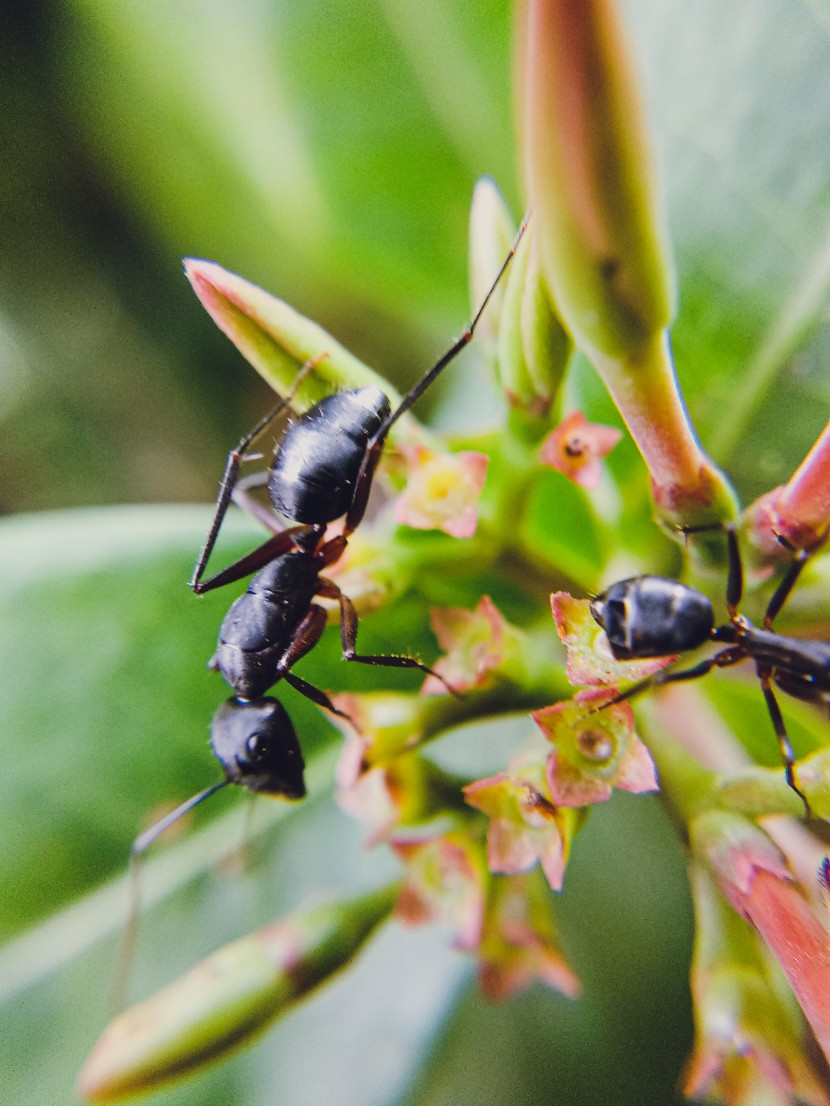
[(257, 747)]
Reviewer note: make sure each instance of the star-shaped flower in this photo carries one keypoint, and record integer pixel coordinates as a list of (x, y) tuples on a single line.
[(442, 491), (576, 448), (594, 750)]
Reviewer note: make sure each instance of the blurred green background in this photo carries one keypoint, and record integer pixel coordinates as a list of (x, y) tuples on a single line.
[(327, 151)]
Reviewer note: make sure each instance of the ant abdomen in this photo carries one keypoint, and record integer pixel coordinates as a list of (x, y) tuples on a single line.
[(317, 461), (651, 616)]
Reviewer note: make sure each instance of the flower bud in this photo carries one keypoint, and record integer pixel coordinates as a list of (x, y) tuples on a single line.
[(228, 998)]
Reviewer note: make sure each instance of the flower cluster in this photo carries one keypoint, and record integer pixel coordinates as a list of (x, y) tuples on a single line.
[(487, 856)]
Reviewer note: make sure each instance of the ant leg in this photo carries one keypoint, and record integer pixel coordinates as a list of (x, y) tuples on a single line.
[(306, 636), (787, 753), (315, 695), (782, 592), (735, 577), (724, 659), (231, 473), (363, 482), (246, 501), (349, 624), (281, 542), (226, 489)]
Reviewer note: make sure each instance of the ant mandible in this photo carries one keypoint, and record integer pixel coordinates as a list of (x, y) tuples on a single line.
[(650, 616)]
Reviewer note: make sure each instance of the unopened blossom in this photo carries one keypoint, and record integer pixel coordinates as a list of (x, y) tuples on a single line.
[(576, 448), (228, 999), (525, 828), (442, 491), (754, 876), (520, 944), (743, 1054), (594, 750), (798, 512), (275, 338), (749, 1035), (445, 882)]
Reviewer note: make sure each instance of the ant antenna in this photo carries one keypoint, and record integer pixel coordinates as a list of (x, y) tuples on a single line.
[(457, 345), (137, 850)]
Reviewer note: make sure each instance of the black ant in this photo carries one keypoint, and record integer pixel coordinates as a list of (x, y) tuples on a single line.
[(650, 616), (322, 469)]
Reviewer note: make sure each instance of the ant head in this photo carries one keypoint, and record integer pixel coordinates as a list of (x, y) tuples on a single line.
[(598, 609), (256, 744)]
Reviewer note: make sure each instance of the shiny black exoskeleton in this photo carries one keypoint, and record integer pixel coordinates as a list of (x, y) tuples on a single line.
[(650, 616), (334, 433), (252, 652), (257, 746), (322, 469)]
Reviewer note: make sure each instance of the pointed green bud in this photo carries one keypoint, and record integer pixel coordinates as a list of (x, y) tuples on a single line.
[(492, 231), (590, 177), (596, 218), (547, 345), (799, 511), (533, 347), (276, 339), (229, 998)]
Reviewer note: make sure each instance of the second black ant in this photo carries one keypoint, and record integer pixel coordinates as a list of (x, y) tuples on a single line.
[(651, 616)]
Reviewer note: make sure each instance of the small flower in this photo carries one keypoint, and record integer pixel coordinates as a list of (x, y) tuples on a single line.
[(378, 782), (445, 882), (525, 827), (590, 661), (576, 448), (519, 943), (382, 798), (442, 491), (379, 727), (594, 750), (475, 644)]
